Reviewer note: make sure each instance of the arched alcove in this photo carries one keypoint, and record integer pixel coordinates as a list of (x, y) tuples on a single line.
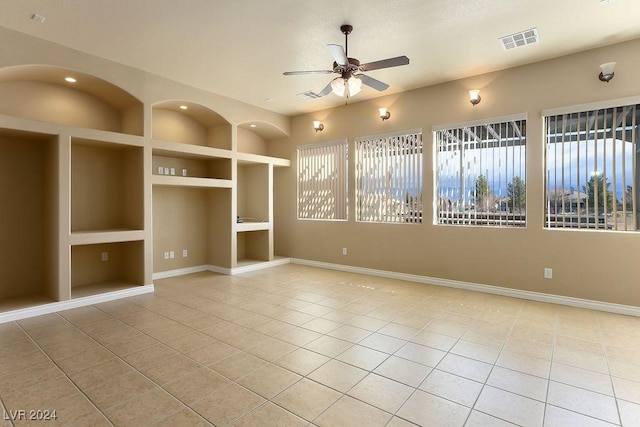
[(67, 97), (190, 123), (253, 136)]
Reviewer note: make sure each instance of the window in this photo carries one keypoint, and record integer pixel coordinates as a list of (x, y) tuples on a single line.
[(591, 161), (389, 178), (322, 181), (480, 174)]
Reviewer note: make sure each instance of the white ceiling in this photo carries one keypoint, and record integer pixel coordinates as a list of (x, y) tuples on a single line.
[(240, 48)]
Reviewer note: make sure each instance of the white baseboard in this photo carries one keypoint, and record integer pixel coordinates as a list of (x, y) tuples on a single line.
[(180, 272), (497, 290), (222, 270), (260, 266), (53, 307)]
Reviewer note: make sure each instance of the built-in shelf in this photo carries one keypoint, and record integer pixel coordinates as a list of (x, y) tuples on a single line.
[(252, 226), (106, 267), (93, 199), (107, 186), (177, 149), (99, 288), (179, 181), (248, 159), (29, 173), (106, 236), (254, 245), (24, 302)]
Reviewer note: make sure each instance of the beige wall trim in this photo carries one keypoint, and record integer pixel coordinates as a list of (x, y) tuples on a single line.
[(10, 316), (496, 290)]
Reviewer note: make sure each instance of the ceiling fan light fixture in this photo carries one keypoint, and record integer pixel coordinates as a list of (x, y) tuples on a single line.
[(338, 86), (355, 85)]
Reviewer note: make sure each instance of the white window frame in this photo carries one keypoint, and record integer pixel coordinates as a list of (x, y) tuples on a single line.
[(323, 191), (575, 215), (458, 207), (370, 173)]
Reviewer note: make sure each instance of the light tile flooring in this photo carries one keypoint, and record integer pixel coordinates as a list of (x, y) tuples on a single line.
[(296, 345)]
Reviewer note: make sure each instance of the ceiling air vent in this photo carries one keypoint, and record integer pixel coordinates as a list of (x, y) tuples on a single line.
[(309, 94), (523, 38)]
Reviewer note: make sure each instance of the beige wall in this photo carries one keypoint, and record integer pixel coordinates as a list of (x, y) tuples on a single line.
[(593, 265)]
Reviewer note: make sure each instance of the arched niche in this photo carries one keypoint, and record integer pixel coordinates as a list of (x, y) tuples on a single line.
[(40, 92), (254, 136), (190, 123)]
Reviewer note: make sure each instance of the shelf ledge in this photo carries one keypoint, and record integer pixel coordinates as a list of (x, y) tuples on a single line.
[(179, 149), (248, 158), (182, 181), (105, 236), (252, 226)]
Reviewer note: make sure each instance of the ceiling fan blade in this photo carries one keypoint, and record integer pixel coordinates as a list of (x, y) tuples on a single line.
[(326, 91), (385, 63), (299, 73), (371, 82), (338, 54)]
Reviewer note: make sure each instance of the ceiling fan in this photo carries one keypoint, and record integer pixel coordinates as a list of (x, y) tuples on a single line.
[(351, 78)]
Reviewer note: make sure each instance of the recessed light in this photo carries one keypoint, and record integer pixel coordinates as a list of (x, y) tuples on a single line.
[(183, 107), (70, 80), (252, 125)]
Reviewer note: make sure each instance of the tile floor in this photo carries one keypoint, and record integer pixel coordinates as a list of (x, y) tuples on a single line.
[(296, 345)]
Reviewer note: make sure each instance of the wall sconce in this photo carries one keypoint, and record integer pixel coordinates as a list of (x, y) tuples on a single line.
[(474, 97), (607, 71), (384, 113), (318, 126)]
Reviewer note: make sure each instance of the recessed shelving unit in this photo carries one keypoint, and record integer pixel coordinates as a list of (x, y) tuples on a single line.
[(106, 267), (192, 183), (28, 219), (100, 190), (254, 193), (177, 164), (254, 247), (107, 187)]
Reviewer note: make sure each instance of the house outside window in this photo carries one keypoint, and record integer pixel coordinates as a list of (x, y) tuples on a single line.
[(481, 173), (591, 169)]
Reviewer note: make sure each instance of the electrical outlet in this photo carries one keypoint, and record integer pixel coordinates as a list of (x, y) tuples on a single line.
[(105, 256), (185, 253), (344, 251), (166, 255), (172, 254), (548, 273)]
